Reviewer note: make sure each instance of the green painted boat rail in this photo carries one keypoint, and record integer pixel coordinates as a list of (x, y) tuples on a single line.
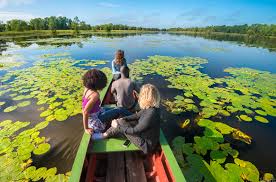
[(177, 173), (80, 156)]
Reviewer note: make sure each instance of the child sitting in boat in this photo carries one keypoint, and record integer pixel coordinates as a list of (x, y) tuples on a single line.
[(94, 117), (117, 63), (125, 90), (142, 128)]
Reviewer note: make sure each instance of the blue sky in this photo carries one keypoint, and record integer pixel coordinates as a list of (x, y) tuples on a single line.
[(147, 13)]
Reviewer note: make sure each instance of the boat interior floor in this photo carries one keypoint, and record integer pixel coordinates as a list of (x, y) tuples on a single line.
[(123, 167)]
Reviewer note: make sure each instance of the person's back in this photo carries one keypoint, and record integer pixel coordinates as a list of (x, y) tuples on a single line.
[(124, 89)]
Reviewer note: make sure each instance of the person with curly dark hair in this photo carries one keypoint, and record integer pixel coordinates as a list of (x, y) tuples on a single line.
[(94, 117)]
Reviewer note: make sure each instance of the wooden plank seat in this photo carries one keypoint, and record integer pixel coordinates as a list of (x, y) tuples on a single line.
[(110, 145)]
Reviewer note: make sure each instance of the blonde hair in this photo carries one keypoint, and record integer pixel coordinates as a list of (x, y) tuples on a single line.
[(149, 97)]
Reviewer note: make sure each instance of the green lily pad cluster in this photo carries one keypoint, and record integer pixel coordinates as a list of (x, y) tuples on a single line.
[(17, 145), (91, 63), (246, 92), (8, 61), (217, 168), (55, 40), (57, 55), (8, 65), (53, 82)]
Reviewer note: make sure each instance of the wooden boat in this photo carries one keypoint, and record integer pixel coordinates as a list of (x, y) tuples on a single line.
[(108, 160)]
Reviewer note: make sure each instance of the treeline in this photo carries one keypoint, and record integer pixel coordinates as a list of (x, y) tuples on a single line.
[(254, 29), (62, 23)]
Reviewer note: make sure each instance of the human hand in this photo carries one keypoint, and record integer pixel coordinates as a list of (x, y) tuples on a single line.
[(89, 131), (114, 123)]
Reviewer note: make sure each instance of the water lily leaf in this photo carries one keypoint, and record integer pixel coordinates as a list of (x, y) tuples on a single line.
[(261, 119), (228, 149), (261, 112), (268, 177), (187, 148), (10, 109), (249, 171), (42, 125), (41, 149), (50, 172), (177, 146), (218, 156), (2, 103), (238, 135), (245, 118), (50, 118), (203, 144), (24, 104), (185, 123), (46, 113)]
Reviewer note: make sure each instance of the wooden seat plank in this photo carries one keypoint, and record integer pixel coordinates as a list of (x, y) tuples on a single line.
[(135, 171), (115, 167), (110, 145)]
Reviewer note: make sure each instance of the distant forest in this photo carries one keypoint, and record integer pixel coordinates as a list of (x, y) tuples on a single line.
[(54, 23), (254, 29), (62, 23)]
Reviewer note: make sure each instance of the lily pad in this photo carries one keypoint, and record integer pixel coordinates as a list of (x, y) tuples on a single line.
[(261, 112), (24, 104), (245, 118), (261, 119), (41, 149), (10, 109)]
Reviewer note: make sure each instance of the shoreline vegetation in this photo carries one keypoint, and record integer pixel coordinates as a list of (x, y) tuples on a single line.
[(10, 34), (65, 26)]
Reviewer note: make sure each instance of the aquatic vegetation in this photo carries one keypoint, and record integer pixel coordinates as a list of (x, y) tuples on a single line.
[(196, 168), (244, 94), (245, 118), (8, 61), (10, 108), (7, 65), (24, 104), (185, 123), (53, 82), (91, 63), (16, 150), (57, 55), (261, 119)]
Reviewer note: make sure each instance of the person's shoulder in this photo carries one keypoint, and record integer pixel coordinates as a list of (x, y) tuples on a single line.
[(93, 94), (116, 82)]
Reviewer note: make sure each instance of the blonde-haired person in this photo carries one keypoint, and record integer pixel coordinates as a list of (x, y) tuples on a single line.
[(117, 63), (142, 128)]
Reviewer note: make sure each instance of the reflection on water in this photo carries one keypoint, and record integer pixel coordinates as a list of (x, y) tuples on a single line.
[(252, 41), (64, 136)]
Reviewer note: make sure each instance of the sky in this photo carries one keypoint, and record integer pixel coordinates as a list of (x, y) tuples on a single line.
[(146, 13)]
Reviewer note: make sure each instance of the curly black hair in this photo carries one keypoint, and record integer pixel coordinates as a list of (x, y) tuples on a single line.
[(94, 79)]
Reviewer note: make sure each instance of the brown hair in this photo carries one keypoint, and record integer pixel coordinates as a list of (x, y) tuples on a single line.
[(94, 79), (119, 57), (149, 97)]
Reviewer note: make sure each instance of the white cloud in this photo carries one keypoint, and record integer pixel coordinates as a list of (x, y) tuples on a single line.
[(9, 15), (108, 5), (4, 3)]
